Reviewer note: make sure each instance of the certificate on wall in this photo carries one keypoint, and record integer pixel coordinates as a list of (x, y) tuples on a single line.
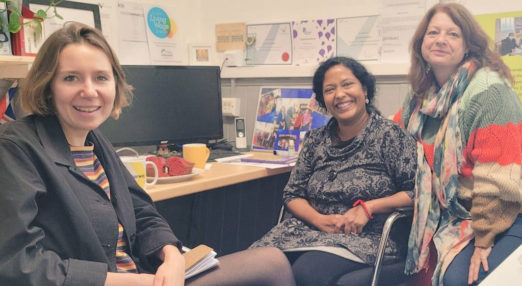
[(313, 41), (269, 44), (399, 19), (132, 34), (359, 38)]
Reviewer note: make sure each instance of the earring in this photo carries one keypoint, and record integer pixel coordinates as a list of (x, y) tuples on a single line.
[(428, 68), (367, 101)]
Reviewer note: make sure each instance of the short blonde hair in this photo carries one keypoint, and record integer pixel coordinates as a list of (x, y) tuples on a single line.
[(35, 90)]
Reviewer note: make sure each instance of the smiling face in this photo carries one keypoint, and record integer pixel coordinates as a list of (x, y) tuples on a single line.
[(344, 96), (443, 46), (83, 90)]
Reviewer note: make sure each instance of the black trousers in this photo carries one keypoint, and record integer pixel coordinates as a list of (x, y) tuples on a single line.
[(318, 268)]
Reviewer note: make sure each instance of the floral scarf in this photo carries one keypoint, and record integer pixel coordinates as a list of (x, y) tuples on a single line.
[(437, 213)]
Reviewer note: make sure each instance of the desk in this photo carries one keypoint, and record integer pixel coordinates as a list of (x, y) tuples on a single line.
[(226, 207), (219, 175)]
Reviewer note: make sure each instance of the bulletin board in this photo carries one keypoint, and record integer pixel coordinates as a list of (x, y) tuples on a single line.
[(499, 26), (285, 115)]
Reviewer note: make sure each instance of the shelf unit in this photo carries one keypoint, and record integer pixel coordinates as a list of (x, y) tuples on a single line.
[(286, 71), (18, 66), (14, 66)]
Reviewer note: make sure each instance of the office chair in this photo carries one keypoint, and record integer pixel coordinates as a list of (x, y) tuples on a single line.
[(394, 272)]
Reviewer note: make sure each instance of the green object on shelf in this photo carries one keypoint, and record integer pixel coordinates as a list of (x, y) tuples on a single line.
[(15, 23)]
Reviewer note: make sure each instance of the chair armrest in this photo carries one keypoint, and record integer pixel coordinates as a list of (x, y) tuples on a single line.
[(405, 210), (397, 214)]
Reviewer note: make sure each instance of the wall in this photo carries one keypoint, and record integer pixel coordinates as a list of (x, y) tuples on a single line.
[(197, 20), (391, 89)]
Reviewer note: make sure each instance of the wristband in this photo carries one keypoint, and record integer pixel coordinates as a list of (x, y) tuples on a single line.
[(361, 202)]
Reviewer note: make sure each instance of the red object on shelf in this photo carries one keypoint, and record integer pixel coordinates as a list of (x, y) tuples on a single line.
[(18, 40)]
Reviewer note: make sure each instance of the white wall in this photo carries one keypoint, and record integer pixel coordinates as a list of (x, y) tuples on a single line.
[(197, 18), (391, 90), (266, 11)]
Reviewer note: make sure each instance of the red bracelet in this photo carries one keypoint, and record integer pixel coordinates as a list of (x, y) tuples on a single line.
[(361, 202)]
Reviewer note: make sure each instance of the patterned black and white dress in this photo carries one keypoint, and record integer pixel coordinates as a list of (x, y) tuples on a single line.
[(332, 175)]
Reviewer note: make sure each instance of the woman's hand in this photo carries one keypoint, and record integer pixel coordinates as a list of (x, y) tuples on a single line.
[(327, 223), (172, 271), (480, 256), (352, 221)]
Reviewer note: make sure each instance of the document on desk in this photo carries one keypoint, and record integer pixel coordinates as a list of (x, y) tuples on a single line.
[(259, 160), (508, 273), (263, 165)]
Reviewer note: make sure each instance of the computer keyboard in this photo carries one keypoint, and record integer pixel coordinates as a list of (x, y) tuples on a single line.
[(222, 153)]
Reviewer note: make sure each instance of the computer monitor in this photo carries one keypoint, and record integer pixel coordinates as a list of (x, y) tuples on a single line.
[(172, 104)]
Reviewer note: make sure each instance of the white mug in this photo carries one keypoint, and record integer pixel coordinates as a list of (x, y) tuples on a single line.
[(137, 166)]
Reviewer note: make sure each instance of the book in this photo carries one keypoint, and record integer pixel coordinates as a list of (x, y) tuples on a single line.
[(198, 259), (269, 158)]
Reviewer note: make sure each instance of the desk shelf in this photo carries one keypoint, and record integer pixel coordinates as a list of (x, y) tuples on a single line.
[(14, 66), (287, 71)]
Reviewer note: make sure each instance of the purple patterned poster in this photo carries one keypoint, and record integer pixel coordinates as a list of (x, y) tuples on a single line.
[(313, 41)]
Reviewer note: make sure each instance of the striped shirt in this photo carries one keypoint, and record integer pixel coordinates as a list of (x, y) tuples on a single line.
[(88, 163)]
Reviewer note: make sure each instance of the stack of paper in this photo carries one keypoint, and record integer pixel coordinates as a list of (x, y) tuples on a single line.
[(199, 259), (270, 159)]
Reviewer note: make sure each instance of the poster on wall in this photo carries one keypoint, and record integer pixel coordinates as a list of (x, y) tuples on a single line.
[(162, 34), (284, 115), (230, 36), (505, 29), (313, 41)]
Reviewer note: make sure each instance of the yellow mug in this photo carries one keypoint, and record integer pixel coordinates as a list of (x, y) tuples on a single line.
[(137, 166), (196, 153)]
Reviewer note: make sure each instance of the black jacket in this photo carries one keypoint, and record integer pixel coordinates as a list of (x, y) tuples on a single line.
[(58, 227)]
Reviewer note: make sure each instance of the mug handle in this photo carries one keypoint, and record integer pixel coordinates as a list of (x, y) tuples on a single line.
[(156, 174), (128, 149), (207, 154)]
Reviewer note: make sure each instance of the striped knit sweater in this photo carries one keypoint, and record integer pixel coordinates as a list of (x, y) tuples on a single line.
[(490, 181), (88, 163)]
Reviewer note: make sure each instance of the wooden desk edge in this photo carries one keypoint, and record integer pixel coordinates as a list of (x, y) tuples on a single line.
[(218, 176)]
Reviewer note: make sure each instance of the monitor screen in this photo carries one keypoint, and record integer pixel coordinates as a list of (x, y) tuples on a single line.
[(171, 104)]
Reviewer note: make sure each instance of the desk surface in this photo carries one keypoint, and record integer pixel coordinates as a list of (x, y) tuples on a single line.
[(219, 175)]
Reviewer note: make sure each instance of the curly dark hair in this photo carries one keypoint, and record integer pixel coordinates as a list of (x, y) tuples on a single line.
[(359, 71)]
